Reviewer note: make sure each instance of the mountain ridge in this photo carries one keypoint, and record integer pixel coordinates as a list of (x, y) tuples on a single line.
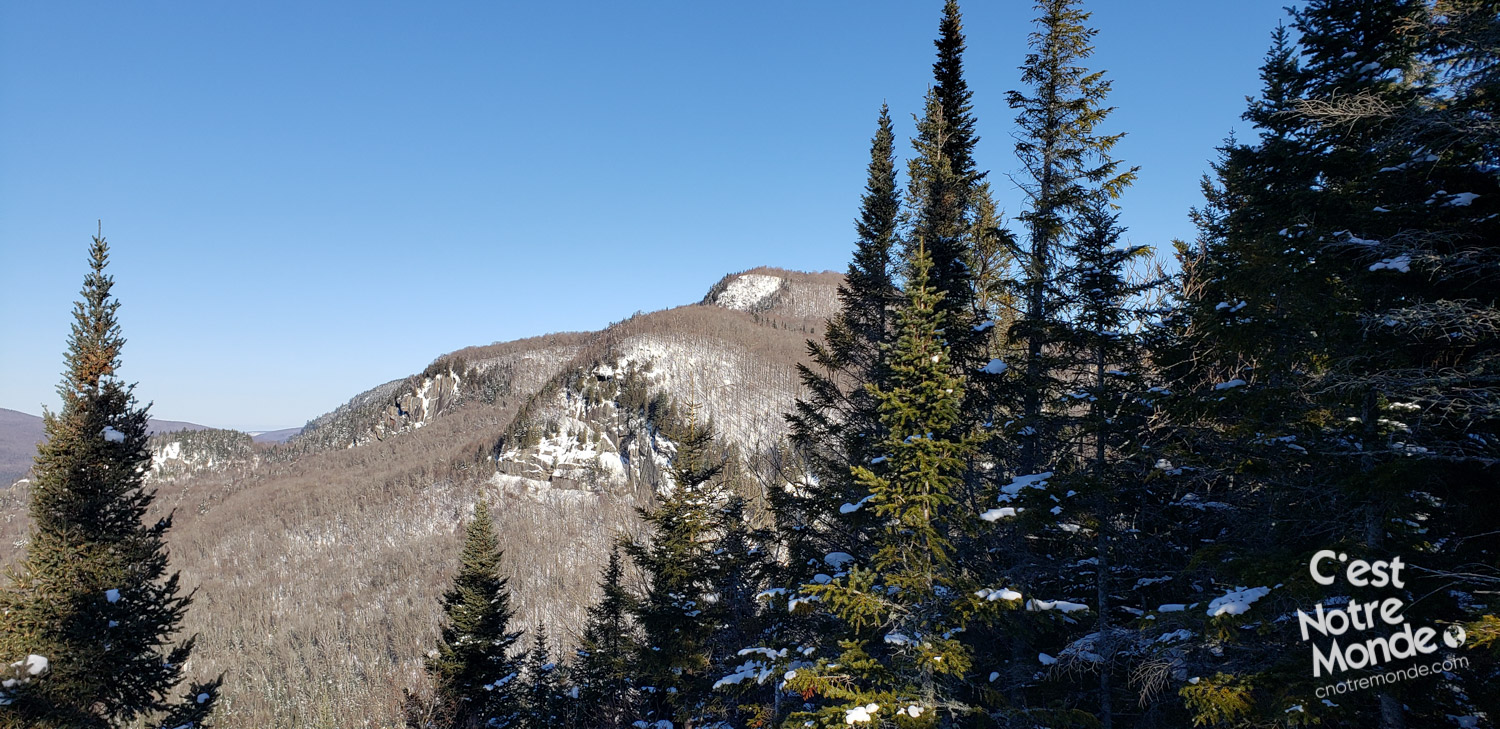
[(345, 534)]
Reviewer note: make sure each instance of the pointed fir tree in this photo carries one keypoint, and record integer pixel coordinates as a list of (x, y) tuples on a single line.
[(904, 603), (676, 615), (604, 666), (1067, 165), (836, 425), (475, 678), (91, 611), (544, 700), (943, 180), (1067, 171), (952, 93), (739, 647), (1087, 519), (940, 206)]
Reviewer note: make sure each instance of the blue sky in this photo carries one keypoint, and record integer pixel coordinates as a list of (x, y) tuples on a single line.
[(308, 199)]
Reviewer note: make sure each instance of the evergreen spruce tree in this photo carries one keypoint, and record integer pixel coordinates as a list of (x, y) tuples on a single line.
[(1067, 166), (904, 603), (676, 613), (475, 677), (943, 179), (1088, 521), (544, 701), (836, 426), (953, 95), (604, 668), (91, 611), (741, 643), (1323, 295), (1031, 408), (941, 223)]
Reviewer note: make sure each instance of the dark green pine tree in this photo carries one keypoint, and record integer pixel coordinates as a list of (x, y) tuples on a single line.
[(952, 93), (1430, 359), (604, 667), (1325, 297), (1067, 166), (676, 615), (836, 426), (1068, 172), (544, 700), (741, 569), (867, 292), (903, 663), (475, 678), (91, 611), (1087, 524), (943, 179)]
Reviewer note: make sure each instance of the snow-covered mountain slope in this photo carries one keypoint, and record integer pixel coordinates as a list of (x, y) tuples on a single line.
[(486, 374), (186, 453), (319, 562), (789, 295)]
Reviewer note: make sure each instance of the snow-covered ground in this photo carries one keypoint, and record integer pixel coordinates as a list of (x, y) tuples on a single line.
[(748, 291), (743, 393)]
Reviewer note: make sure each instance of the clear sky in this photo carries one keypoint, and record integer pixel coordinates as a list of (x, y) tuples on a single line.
[(305, 200)]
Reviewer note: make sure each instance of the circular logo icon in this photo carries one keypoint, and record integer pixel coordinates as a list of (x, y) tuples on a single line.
[(1454, 636)]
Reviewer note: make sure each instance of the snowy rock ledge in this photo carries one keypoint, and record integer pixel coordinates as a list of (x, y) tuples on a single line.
[(748, 292)]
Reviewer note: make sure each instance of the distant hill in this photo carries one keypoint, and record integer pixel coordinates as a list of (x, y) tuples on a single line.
[(275, 436), (20, 433)]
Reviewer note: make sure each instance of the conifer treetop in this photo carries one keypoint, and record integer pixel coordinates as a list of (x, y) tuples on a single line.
[(94, 595), (953, 94)]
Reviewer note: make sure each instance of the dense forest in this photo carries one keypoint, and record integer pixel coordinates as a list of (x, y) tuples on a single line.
[(1037, 476)]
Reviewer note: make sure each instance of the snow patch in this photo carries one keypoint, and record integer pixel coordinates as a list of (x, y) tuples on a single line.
[(851, 508), (861, 714), (1236, 602), (1004, 593), (1060, 605), (1009, 491), (748, 291), (1003, 512), (1401, 263)]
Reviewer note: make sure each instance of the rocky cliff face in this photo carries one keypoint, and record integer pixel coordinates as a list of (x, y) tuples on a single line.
[(404, 405)]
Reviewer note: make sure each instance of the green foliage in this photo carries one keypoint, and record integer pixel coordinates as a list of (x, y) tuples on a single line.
[(604, 667), (901, 605), (93, 596), (474, 674), (1220, 700)]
